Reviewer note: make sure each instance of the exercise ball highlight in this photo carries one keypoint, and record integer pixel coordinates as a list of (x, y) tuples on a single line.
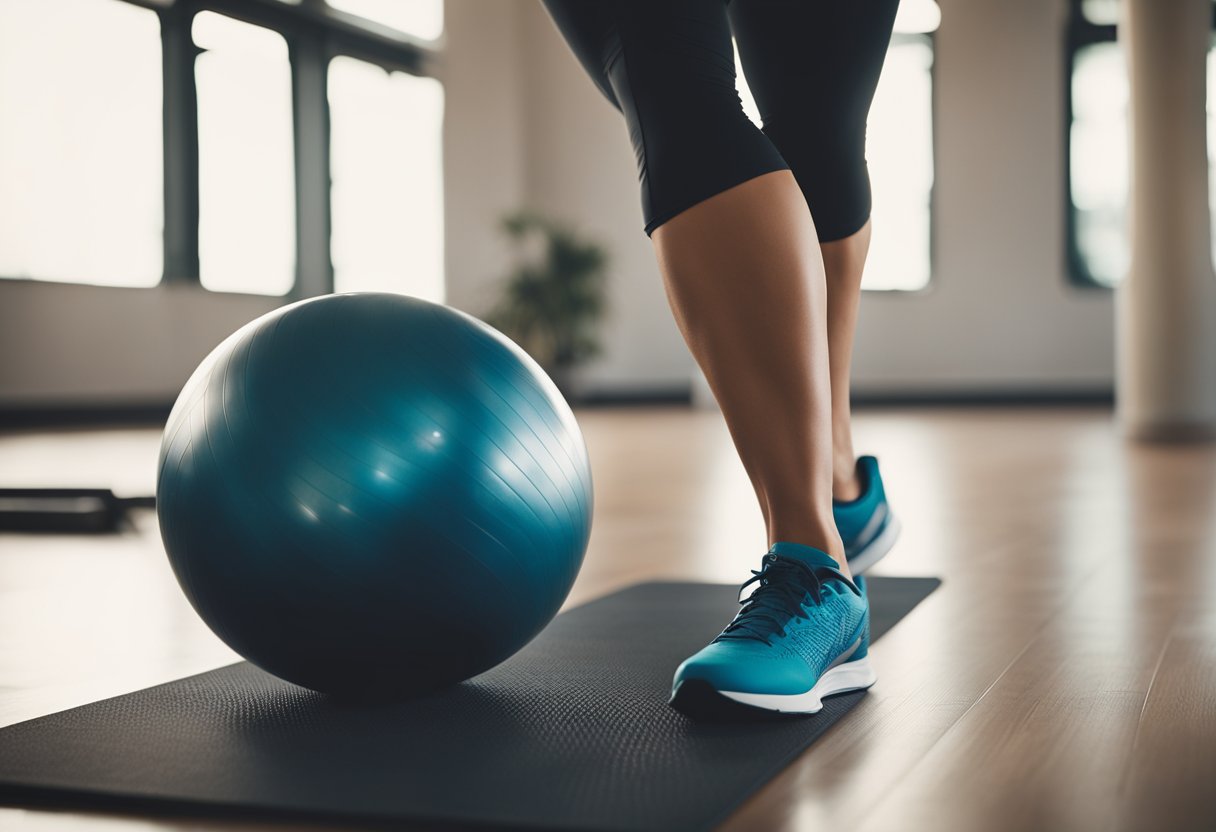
[(373, 495)]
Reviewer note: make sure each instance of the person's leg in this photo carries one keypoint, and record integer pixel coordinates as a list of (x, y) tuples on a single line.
[(863, 516), (843, 262), (735, 243), (743, 273), (745, 280), (813, 66)]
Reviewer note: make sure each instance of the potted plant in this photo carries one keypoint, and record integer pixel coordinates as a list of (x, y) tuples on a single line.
[(553, 299)]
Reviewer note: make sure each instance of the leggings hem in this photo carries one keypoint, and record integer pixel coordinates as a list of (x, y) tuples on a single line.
[(717, 189), (836, 234)]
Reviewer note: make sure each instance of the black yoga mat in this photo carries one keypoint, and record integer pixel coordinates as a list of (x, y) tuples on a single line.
[(571, 733)]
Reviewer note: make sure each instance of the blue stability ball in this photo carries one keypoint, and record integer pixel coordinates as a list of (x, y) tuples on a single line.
[(370, 494)]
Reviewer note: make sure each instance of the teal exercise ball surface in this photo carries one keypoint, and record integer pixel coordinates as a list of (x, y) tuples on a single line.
[(373, 495)]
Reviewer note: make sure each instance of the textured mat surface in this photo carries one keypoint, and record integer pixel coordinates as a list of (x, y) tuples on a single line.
[(571, 733)]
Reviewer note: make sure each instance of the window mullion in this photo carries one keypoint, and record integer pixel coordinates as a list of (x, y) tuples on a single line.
[(314, 266), (180, 146)]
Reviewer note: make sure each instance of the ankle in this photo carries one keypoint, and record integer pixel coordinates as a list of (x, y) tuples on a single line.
[(808, 532), (846, 485)]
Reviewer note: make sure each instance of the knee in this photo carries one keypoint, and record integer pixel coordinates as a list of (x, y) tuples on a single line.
[(690, 135), (828, 159)]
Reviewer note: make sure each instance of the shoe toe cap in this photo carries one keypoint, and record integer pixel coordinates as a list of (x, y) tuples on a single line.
[(745, 666)]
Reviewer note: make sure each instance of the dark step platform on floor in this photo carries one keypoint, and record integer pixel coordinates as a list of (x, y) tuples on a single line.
[(571, 733)]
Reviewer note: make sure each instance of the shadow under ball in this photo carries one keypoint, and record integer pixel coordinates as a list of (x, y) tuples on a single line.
[(372, 495)]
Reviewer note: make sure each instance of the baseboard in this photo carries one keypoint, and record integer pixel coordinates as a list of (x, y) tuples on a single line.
[(77, 414), (155, 413), (1012, 397), (679, 395)]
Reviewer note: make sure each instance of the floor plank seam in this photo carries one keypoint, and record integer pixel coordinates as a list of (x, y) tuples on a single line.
[(1148, 693)]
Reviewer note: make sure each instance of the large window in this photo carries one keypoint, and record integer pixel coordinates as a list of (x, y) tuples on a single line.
[(899, 152), (260, 146), (246, 179), (386, 134), (421, 18), (81, 187), (1098, 145)]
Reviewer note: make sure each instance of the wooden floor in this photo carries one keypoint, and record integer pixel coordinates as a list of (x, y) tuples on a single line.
[(1063, 677)]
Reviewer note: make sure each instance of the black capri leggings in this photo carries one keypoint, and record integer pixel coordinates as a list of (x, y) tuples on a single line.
[(668, 66)]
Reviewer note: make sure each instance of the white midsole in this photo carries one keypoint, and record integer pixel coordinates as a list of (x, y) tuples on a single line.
[(855, 675), (878, 547)]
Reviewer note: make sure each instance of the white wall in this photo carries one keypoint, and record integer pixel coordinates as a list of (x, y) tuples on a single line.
[(483, 145), (580, 168), (62, 344), (525, 127)]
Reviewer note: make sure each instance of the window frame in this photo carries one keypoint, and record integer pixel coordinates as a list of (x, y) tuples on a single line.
[(315, 34), (1080, 32)]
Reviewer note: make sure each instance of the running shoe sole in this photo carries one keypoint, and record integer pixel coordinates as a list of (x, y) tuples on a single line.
[(700, 700)]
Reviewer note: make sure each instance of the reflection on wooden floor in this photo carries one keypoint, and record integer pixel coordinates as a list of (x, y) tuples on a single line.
[(1063, 677)]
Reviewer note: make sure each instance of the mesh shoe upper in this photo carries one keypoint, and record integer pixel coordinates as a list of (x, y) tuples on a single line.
[(802, 618)]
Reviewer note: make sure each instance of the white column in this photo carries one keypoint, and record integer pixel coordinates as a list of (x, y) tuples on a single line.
[(1166, 307)]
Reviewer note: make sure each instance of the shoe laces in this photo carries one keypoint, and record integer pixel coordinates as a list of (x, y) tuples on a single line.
[(783, 586)]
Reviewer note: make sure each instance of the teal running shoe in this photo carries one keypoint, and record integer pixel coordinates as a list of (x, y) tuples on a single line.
[(802, 634), (867, 526)]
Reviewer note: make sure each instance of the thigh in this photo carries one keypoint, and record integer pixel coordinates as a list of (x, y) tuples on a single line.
[(813, 56), (669, 66), (589, 28), (813, 66), (658, 50)]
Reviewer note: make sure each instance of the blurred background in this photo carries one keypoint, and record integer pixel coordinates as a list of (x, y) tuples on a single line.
[(171, 169)]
